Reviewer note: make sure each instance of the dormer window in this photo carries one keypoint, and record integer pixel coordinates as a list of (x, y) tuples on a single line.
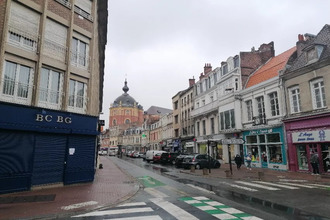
[(313, 53), (225, 69)]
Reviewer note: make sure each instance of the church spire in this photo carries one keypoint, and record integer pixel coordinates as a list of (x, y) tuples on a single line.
[(125, 88)]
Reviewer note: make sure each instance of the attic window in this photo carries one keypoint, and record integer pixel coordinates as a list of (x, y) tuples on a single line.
[(313, 53)]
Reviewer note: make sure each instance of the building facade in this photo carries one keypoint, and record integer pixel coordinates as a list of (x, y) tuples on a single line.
[(306, 84), (51, 92)]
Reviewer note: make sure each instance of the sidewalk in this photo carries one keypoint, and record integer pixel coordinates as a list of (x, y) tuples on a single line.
[(259, 174), (111, 186)]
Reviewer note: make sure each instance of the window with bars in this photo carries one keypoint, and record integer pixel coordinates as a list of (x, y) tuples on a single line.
[(318, 94), (294, 96), (261, 109), (17, 83), (274, 106), (249, 110), (79, 53), (50, 88), (227, 119), (77, 96)]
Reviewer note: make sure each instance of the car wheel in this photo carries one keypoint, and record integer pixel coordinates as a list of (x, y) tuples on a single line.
[(197, 166), (217, 165), (173, 162)]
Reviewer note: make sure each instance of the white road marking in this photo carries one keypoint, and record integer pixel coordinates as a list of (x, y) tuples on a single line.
[(257, 185), (155, 193), (132, 204), (289, 180), (200, 188), (150, 217), (300, 185), (278, 185), (240, 187), (78, 205), (116, 211), (320, 185), (173, 209)]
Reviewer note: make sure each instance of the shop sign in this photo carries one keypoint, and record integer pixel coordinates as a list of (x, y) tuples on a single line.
[(311, 136), (233, 141), (261, 131), (189, 144)]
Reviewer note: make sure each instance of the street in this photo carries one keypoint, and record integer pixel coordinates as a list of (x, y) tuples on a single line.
[(167, 193)]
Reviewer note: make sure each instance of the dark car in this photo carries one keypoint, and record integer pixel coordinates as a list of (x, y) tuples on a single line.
[(179, 160), (166, 158), (200, 161)]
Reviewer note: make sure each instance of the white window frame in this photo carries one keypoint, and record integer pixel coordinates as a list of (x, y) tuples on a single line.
[(320, 90), (294, 98), (274, 104), (75, 99), (47, 94), (15, 84), (260, 102), (227, 116), (249, 110), (78, 59)]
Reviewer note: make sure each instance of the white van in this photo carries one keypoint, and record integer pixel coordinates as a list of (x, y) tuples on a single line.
[(150, 154)]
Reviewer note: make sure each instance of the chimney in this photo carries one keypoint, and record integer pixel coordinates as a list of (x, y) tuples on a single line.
[(191, 82), (207, 68), (300, 37), (201, 76)]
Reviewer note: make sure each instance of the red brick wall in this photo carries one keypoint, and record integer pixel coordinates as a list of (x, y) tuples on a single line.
[(83, 23), (59, 9)]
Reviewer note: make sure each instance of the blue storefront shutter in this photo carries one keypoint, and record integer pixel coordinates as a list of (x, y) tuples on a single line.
[(80, 161), (49, 155), (16, 150)]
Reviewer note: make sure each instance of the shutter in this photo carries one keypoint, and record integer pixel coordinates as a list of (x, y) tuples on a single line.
[(49, 156), (85, 5), (15, 161), (55, 32), (80, 166), (24, 21)]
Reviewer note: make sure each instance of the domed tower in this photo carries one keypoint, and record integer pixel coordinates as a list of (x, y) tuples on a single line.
[(125, 111)]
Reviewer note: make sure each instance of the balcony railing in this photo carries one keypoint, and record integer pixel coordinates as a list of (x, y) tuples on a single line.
[(16, 92), (55, 50), (205, 109), (79, 60), (50, 99), (83, 13)]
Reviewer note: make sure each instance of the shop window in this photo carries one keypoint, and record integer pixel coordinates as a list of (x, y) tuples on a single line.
[(273, 138), (262, 138), (275, 153), (325, 148), (302, 157), (251, 139), (254, 150)]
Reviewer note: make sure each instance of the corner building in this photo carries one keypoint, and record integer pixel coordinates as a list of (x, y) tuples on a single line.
[(51, 72)]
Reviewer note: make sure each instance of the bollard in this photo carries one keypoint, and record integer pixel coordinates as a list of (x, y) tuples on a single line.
[(228, 174), (192, 168), (261, 175), (205, 171)]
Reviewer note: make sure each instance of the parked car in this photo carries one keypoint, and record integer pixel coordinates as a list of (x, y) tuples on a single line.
[(168, 158), (132, 154), (112, 153), (179, 160), (151, 153), (156, 158), (138, 154), (200, 161)]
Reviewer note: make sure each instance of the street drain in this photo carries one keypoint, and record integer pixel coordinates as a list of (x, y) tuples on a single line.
[(27, 199)]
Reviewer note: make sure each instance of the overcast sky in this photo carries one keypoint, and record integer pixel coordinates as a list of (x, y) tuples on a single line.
[(158, 45)]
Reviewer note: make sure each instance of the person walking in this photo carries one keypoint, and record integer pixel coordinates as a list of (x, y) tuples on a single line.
[(248, 161), (315, 163), (238, 161)]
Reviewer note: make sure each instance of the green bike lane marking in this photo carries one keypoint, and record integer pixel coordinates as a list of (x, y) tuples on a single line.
[(148, 181), (217, 209)]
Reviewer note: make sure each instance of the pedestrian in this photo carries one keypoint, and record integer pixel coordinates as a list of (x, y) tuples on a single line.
[(248, 161), (238, 161), (315, 163)]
